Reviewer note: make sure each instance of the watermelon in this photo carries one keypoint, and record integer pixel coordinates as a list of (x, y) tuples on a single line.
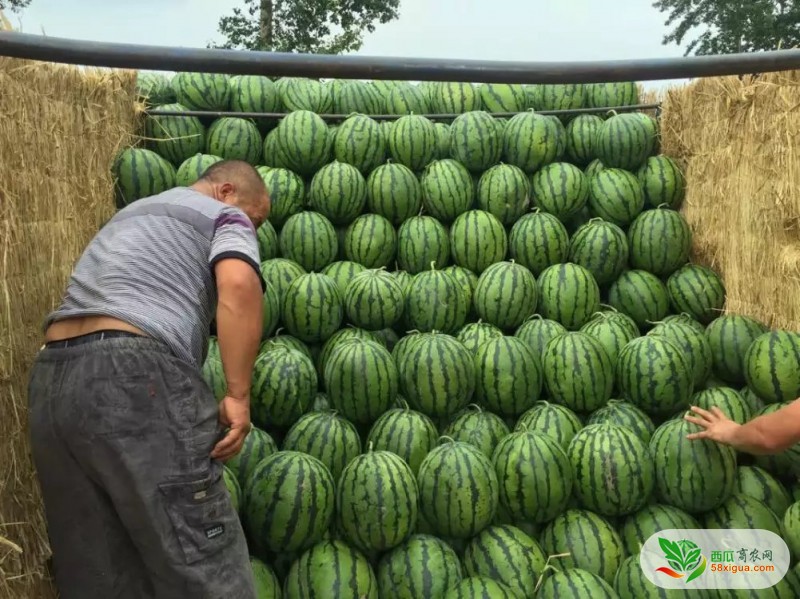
[(726, 399), (458, 490), (594, 167), (447, 189), (193, 168), (759, 484), (413, 141), (537, 241), (312, 308), (331, 569), (394, 192), (581, 135), (612, 94), (287, 193), (613, 469), (568, 294), (791, 529), (753, 402), (309, 239), (508, 376), (625, 414), (267, 584), (285, 341), (140, 173), (466, 279), (371, 241), (407, 433), (694, 344), (212, 371), (342, 273), (442, 141), (361, 380), (232, 138), (202, 91), (475, 141), (477, 587), (376, 501), (267, 241), (357, 96), (477, 427), (502, 97), (641, 295), (420, 241), (613, 330), (474, 334), (625, 141), (175, 138), (575, 582), (359, 141), (233, 488), (742, 511), (504, 191), (254, 93), (637, 528), (602, 248), (327, 436), (560, 189), (660, 241), (772, 366), (284, 384), (154, 88), (423, 566), (693, 475), (406, 99), (655, 375), (595, 546), (477, 240), (537, 332), (302, 93), (697, 291), (615, 195), (454, 97), (663, 182), (506, 295), (373, 300), (731, 336), (280, 488), (337, 339), (631, 583), (338, 191), (435, 302), (280, 273), (556, 421), (530, 141), (303, 142)]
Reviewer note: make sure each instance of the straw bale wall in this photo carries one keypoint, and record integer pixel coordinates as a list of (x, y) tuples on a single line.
[(739, 142), (59, 131)]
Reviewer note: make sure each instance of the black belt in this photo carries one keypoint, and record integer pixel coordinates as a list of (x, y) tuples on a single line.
[(89, 337)]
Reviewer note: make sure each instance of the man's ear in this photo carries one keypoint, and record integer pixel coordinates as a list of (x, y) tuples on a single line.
[(226, 190)]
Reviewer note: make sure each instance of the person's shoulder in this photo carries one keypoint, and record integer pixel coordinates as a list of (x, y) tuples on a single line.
[(231, 216)]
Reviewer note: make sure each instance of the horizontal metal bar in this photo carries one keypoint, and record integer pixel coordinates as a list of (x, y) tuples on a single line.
[(389, 117), (237, 62)]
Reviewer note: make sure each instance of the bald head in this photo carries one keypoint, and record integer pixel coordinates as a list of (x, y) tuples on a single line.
[(236, 183)]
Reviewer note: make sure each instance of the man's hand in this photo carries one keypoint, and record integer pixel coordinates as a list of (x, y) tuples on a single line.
[(716, 426), (234, 414)]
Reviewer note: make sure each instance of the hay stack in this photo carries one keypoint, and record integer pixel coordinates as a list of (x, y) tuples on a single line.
[(60, 129), (739, 141)]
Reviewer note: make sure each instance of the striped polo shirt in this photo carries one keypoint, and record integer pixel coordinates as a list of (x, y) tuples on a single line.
[(152, 266)]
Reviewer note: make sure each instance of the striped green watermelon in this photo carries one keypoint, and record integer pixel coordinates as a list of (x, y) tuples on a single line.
[(342, 273), (502, 97), (413, 141), (641, 295), (631, 583), (437, 374), (726, 399), (406, 99), (613, 330), (474, 334), (477, 427), (435, 302), (284, 384), (303, 141), (537, 332), (420, 241), (202, 91), (560, 189), (578, 373), (477, 240), (267, 584), (407, 433), (506, 295), (373, 300), (530, 141), (575, 582), (694, 344), (475, 141), (692, 475), (361, 380), (274, 156), (602, 248), (538, 240), (568, 294), (285, 341), (458, 490), (660, 241), (697, 291), (287, 193), (562, 96), (268, 247), (506, 555), (594, 544), (371, 241), (253, 93), (613, 469), (454, 97), (742, 511), (357, 96), (140, 173), (154, 88), (663, 182), (791, 529), (331, 569), (280, 488), (508, 376), (338, 191), (753, 402), (447, 189), (280, 273), (327, 436), (478, 587), (394, 192), (504, 191), (442, 141), (302, 93), (175, 138), (654, 374), (312, 308), (212, 371), (637, 528), (625, 414), (625, 141), (556, 421), (233, 138), (612, 95), (271, 311), (772, 366), (388, 337), (615, 195), (193, 168), (309, 239), (466, 279), (376, 501), (337, 339), (423, 566), (686, 319), (786, 463), (731, 336), (535, 476), (581, 135), (594, 167), (759, 484)]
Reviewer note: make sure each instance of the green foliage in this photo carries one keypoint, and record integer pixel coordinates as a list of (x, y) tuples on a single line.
[(309, 26), (729, 26), (14, 4)]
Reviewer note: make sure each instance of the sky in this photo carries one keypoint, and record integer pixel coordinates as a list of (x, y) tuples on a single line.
[(537, 30)]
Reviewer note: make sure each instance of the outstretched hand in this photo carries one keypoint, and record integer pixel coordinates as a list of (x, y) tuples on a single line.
[(715, 424), (234, 414)]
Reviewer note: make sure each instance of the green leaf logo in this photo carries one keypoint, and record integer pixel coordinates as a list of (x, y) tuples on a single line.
[(684, 557)]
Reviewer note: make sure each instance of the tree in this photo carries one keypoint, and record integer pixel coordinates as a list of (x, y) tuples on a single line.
[(309, 26), (729, 26), (14, 4)]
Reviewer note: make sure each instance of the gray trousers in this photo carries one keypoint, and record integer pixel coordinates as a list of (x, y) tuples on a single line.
[(121, 432)]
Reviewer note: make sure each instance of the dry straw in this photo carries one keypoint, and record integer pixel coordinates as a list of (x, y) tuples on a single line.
[(60, 129), (739, 141)]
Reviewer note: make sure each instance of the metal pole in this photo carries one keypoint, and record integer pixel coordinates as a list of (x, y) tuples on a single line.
[(133, 56)]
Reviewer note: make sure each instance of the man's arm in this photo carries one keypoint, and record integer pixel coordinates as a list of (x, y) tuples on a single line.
[(764, 435)]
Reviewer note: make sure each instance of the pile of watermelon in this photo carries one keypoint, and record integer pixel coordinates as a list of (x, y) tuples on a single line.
[(481, 335)]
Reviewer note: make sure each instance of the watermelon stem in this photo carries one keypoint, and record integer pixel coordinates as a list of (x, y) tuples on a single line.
[(547, 567), (446, 438), (476, 406)]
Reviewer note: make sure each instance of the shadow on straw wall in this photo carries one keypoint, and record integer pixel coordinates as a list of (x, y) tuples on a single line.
[(60, 130), (738, 140)]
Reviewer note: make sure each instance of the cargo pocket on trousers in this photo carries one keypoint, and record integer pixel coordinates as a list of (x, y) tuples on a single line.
[(202, 515)]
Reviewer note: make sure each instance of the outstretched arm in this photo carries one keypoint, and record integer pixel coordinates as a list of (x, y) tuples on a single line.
[(764, 435)]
